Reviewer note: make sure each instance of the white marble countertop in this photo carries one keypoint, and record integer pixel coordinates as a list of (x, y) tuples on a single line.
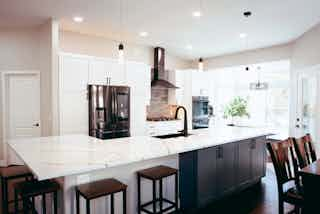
[(52, 157)]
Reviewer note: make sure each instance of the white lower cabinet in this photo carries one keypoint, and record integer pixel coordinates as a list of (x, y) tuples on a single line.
[(155, 128)]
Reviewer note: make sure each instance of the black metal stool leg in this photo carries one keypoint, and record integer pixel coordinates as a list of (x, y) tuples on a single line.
[(154, 198), (25, 205), (44, 204), (77, 202), (161, 195), (88, 206), (16, 202), (4, 183), (176, 191), (124, 201), (112, 203), (139, 194), (33, 207), (55, 202)]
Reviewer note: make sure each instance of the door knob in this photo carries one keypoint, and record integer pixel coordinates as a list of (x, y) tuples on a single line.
[(36, 125)]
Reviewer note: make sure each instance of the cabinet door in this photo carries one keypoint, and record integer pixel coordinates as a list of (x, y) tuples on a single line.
[(99, 72), (188, 180), (226, 168), (117, 72), (73, 73), (138, 79), (74, 113), (258, 158), (244, 162), (207, 176), (200, 83)]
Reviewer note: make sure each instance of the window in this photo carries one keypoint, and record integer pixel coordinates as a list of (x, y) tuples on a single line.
[(266, 107)]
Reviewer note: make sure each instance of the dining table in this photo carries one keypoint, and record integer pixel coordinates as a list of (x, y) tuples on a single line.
[(310, 176)]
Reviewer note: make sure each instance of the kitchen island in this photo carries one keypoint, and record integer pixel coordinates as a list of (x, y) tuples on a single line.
[(212, 163)]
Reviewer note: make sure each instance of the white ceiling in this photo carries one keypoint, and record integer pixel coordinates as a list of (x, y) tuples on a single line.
[(170, 23)]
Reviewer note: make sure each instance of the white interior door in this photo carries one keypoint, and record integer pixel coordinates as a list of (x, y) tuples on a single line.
[(308, 112), (22, 96)]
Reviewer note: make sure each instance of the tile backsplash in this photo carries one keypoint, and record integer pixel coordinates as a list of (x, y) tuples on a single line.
[(159, 106)]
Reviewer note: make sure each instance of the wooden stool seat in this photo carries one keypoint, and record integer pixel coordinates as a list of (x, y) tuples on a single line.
[(8, 174), (14, 171), (27, 190), (101, 188), (34, 187), (97, 189), (157, 172)]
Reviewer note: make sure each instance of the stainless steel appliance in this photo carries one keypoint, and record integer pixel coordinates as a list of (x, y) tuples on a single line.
[(109, 111), (200, 112)]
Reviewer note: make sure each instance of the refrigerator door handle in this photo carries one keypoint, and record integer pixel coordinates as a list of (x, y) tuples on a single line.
[(113, 106), (116, 104)]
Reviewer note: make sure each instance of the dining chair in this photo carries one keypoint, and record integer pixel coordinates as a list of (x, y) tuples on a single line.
[(286, 167), (305, 150)]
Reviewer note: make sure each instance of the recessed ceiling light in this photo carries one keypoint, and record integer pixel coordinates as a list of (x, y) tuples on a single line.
[(243, 35), (189, 47), (78, 19), (143, 34), (196, 14)]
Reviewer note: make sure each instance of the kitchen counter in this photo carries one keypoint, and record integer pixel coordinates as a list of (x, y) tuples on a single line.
[(76, 159), (52, 157)]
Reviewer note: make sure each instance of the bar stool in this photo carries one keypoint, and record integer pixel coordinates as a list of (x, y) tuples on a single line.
[(28, 190), (155, 174), (99, 189), (8, 174)]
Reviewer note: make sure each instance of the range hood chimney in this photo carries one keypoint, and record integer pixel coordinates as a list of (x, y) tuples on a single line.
[(159, 68)]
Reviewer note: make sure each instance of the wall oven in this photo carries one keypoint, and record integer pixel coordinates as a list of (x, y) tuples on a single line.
[(200, 112)]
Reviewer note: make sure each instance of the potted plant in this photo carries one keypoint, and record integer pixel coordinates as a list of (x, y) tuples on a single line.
[(236, 108)]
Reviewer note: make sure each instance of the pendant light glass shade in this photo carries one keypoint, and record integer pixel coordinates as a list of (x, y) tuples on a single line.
[(200, 64), (121, 53)]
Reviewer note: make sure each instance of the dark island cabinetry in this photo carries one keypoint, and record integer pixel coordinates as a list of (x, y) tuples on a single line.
[(212, 173)]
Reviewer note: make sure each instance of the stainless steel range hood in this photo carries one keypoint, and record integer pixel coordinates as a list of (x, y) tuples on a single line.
[(159, 68)]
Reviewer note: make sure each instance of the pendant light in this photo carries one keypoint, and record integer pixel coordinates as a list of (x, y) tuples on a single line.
[(121, 46), (121, 53), (258, 86), (200, 64)]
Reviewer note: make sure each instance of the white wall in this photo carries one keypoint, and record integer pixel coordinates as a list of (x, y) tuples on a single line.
[(302, 53), (30, 49), (18, 48), (102, 47), (270, 54), (306, 49), (305, 54)]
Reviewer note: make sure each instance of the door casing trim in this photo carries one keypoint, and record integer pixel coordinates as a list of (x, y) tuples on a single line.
[(4, 76)]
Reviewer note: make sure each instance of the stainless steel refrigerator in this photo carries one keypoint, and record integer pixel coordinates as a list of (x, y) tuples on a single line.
[(109, 111)]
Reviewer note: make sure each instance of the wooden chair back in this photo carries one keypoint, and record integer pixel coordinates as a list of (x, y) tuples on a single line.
[(284, 161), (305, 151)]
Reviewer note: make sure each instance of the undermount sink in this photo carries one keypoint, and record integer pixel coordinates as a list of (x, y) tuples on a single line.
[(171, 135)]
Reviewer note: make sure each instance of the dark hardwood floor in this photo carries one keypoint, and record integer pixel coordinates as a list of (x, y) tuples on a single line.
[(259, 199)]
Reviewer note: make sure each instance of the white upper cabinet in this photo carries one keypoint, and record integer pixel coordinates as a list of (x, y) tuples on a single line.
[(75, 73), (117, 72), (99, 72), (200, 83), (107, 72), (138, 76)]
